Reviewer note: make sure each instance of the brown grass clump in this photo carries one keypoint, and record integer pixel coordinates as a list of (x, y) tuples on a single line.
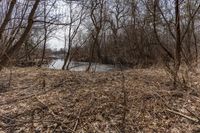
[(140, 100)]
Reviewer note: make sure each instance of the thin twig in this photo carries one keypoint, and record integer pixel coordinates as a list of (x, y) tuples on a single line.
[(77, 121), (183, 115)]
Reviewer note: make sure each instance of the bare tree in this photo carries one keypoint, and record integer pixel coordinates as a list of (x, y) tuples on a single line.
[(72, 31), (7, 17), (8, 53), (96, 16), (178, 42)]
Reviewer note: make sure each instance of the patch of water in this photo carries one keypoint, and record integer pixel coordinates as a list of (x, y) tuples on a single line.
[(81, 66)]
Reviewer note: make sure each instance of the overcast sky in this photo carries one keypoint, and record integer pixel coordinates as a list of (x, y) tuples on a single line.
[(57, 42)]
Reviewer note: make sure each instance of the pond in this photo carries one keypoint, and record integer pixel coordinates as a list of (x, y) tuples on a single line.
[(82, 66)]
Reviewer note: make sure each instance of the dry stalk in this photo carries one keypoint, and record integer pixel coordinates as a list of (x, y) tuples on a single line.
[(125, 99), (32, 121), (124, 103), (183, 115), (77, 121), (10, 78)]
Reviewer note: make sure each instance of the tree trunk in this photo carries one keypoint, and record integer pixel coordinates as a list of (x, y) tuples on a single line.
[(177, 62), (7, 18), (45, 37), (10, 52)]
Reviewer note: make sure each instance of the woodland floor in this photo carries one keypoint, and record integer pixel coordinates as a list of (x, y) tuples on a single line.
[(139, 100)]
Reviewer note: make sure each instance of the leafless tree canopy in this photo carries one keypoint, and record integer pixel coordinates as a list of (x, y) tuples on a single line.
[(127, 32)]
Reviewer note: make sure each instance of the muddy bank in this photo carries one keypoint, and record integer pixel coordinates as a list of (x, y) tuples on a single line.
[(140, 100)]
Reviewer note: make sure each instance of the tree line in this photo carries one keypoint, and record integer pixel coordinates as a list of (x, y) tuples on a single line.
[(127, 32)]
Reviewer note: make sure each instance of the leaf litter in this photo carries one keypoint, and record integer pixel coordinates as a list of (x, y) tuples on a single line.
[(138, 100)]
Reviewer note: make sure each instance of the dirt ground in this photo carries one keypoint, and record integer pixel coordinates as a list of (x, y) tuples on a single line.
[(140, 100)]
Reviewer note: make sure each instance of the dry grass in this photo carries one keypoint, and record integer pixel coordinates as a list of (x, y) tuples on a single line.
[(43, 100)]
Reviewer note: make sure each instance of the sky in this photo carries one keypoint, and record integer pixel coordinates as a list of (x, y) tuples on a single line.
[(57, 42)]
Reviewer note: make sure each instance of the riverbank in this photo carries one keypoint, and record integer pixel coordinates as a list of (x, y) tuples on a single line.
[(140, 100)]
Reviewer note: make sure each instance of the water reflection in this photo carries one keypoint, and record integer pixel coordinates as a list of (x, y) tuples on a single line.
[(81, 66)]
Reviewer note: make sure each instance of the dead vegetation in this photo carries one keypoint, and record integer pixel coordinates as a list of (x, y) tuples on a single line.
[(140, 100)]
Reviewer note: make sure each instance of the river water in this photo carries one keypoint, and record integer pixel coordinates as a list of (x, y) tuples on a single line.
[(82, 66)]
